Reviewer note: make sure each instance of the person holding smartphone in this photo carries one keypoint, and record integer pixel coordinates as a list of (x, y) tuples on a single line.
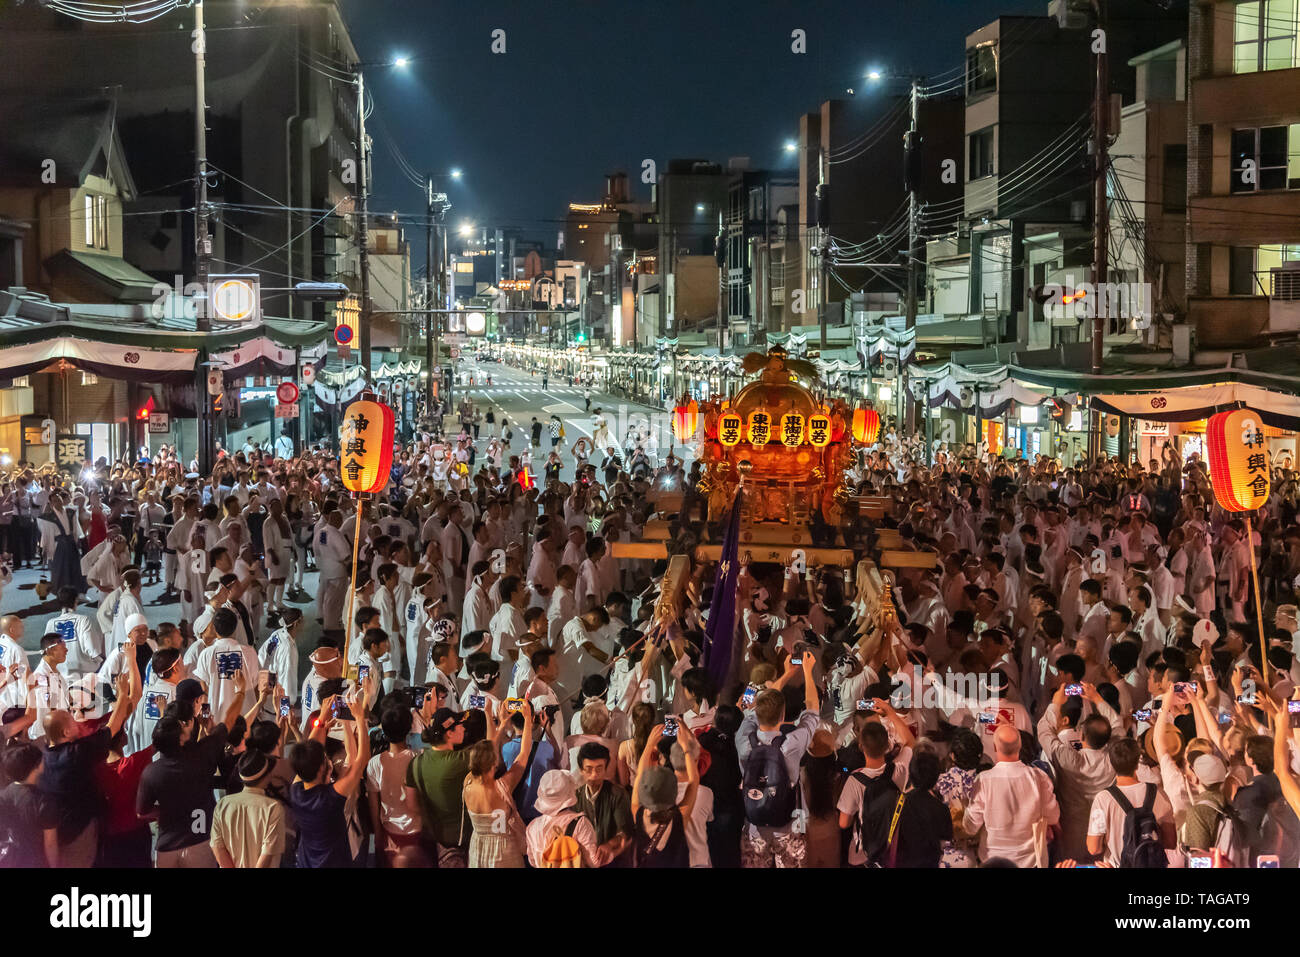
[(176, 789), (319, 805)]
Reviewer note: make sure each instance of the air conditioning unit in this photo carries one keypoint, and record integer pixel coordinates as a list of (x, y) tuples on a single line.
[(889, 368), (1069, 14)]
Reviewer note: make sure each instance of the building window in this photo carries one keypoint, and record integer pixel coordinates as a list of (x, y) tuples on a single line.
[(90, 221), (1251, 268), (1264, 35), (981, 154), (981, 69), (101, 222), (1173, 181), (1265, 157)]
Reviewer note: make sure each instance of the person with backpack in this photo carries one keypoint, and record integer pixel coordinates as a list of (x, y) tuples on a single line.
[(561, 835), (1211, 824), (870, 793), (770, 755), (1131, 823)]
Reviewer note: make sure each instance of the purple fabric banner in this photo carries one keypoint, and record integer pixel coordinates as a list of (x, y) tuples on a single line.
[(720, 632)]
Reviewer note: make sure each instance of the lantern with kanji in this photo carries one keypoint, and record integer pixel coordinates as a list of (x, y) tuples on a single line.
[(366, 446), (866, 426), (792, 429), (686, 418), (730, 428), (1238, 459)]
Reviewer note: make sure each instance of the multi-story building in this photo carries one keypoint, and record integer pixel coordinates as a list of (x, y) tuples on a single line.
[(755, 241), (1243, 173), (282, 132), (689, 199)]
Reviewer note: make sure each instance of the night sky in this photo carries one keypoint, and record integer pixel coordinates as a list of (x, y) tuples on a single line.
[(589, 86)]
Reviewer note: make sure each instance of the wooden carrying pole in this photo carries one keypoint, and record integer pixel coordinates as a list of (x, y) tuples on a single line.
[(1259, 607), (352, 584)]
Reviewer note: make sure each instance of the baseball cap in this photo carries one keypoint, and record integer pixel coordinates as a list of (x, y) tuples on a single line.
[(443, 720), (657, 790), (1210, 769)]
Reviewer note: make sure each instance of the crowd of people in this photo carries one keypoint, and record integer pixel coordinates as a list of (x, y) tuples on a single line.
[(1079, 680)]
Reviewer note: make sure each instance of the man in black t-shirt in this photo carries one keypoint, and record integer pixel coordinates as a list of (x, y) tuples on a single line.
[(923, 821), (72, 760), (176, 790), (28, 818)]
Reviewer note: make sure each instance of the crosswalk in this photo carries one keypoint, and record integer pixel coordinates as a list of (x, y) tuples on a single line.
[(526, 389)]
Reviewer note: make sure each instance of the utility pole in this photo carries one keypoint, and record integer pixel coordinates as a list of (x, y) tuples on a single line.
[(720, 255), (824, 266), (910, 165), (436, 208), (1100, 212), (206, 451), (363, 230)]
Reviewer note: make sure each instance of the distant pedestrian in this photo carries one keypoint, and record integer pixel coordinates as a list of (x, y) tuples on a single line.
[(545, 381), (537, 433)]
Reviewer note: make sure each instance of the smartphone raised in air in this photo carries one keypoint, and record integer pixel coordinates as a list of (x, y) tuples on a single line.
[(670, 727)]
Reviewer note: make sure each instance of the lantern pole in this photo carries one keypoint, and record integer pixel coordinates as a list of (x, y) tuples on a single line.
[(352, 585), (1259, 608)]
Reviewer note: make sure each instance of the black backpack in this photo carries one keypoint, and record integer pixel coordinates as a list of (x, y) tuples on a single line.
[(769, 793), (1142, 844), (868, 835)]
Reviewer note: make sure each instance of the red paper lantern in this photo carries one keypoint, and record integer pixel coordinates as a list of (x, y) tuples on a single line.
[(686, 418), (366, 446), (866, 425), (1238, 457)]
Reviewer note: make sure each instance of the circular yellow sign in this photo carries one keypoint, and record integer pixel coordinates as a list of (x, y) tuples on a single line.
[(232, 300)]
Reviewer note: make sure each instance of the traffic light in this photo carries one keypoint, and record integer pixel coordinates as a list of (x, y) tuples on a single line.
[(580, 338)]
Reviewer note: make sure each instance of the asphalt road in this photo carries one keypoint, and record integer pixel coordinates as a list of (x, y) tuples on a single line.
[(519, 395)]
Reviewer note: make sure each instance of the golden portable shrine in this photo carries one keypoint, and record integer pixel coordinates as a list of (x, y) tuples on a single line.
[(776, 442), (787, 452)]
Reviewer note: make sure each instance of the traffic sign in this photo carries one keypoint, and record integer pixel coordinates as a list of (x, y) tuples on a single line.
[(286, 410), (342, 334), (287, 393), (345, 350), (455, 352)]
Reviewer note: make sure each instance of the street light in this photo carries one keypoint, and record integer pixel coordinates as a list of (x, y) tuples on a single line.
[(455, 174), (791, 146), (401, 62), (466, 228)]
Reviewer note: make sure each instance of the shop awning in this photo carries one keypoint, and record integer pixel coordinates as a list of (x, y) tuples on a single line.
[(29, 318), (131, 363), (1190, 403)]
